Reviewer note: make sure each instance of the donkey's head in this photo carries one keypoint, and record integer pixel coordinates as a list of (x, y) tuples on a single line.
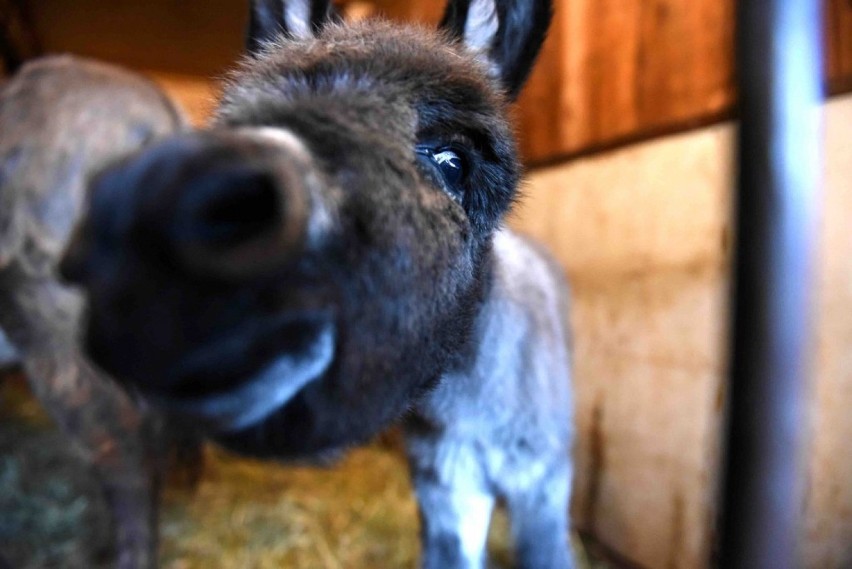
[(297, 275)]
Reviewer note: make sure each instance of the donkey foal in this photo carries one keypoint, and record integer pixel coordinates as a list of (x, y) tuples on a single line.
[(61, 119), (330, 256), (500, 427)]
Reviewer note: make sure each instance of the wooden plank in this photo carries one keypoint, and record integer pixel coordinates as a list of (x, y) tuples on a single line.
[(538, 111), (611, 72), (422, 11), (696, 40), (197, 37), (632, 67), (838, 45)]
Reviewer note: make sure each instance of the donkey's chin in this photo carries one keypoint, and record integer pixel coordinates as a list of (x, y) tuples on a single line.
[(260, 394)]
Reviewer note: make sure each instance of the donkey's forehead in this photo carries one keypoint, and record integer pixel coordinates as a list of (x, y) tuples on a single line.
[(408, 61)]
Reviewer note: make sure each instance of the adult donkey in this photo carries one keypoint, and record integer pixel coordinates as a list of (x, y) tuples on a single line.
[(61, 119), (329, 256)]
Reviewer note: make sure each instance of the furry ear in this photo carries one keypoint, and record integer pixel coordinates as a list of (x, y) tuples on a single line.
[(507, 33), (293, 18)]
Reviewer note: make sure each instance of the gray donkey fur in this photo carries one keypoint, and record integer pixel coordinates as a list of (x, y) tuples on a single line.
[(330, 257), (501, 428), (61, 119), (8, 353)]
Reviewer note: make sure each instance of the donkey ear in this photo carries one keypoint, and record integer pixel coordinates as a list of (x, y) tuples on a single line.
[(293, 18), (508, 34)]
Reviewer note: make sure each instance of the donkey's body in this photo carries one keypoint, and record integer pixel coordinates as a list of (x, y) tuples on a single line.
[(501, 427), (329, 256), (61, 119)]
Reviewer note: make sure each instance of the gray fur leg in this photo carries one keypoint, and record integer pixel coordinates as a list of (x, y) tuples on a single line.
[(134, 515), (8, 354), (454, 526), (540, 524), (116, 439)]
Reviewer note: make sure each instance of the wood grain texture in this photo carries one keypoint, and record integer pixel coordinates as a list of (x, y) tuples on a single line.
[(838, 45), (202, 37), (614, 70), (629, 69), (618, 71), (611, 72)]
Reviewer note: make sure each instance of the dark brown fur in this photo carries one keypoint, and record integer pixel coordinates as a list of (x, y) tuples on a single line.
[(358, 108)]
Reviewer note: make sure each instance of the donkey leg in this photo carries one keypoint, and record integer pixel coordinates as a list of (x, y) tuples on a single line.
[(455, 505), (116, 439), (454, 525), (128, 469), (133, 509), (539, 521)]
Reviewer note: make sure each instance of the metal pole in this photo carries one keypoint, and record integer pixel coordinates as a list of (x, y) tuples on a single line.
[(779, 70)]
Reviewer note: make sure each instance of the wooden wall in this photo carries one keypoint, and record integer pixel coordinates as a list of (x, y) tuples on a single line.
[(616, 71), (612, 71), (644, 233), (192, 37), (838, 45), (628, 69)]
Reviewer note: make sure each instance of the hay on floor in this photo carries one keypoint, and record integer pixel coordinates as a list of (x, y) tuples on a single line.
[(242, 514)]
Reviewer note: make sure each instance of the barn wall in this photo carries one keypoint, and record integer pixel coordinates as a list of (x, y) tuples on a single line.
[(644, 234), (610, 72), (829, 499)]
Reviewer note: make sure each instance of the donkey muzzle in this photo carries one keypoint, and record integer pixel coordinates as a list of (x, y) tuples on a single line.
[(177, 253), (229, 204)]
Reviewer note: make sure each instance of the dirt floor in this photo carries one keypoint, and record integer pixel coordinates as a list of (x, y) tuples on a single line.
[(242, 513)]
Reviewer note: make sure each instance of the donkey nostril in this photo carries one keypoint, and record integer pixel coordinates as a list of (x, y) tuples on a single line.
[(237, 221), (226, 208)]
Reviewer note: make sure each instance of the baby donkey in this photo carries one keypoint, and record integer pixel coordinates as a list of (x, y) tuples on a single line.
[(329, 257)]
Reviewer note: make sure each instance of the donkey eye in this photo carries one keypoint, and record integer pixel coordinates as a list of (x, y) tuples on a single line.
[(450, 166)]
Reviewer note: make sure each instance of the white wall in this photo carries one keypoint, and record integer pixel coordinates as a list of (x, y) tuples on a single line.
[(644, 234)]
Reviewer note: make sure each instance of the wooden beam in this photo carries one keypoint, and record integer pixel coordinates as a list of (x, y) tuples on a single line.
[(611, 72)]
